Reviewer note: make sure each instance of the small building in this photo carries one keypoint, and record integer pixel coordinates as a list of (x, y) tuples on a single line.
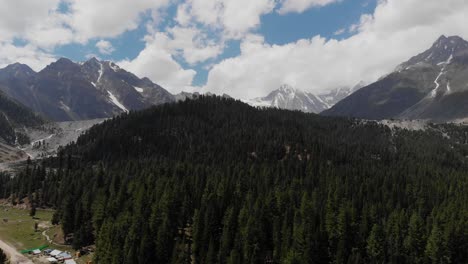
[(64, 256), (55, 253), (70, 261), (52, 260), (36, 252)]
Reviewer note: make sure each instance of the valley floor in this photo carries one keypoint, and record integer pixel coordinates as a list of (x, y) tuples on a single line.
[(13, 254), (17, 233)]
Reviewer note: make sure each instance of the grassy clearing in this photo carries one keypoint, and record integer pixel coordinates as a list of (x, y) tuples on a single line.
[(17, 227), (18, 230)]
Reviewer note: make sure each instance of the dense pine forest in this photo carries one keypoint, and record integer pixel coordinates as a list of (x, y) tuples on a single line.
[(216, 181)]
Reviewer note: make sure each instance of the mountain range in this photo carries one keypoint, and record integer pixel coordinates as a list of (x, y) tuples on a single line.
[(66, 91), (432, 86), (290, 98)]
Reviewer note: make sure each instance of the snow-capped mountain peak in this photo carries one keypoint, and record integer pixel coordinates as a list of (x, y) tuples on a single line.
[(430, 85), (441, 53), (291, 98), (66, 90), (287, 89), (334, 96)]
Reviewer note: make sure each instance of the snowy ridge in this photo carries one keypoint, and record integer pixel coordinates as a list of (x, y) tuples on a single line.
[(290, 98), (138, 89), (114, 67), (101, 72), (115, 101), (442, 72)]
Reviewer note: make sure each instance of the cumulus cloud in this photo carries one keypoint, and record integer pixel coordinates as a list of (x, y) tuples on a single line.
[(28, 54), (234, 18), (397, 30), (191, 43), (37, 22), (105, 47), (202, 27), (299, 6), (107, 18), (48, 23), (158, 65)]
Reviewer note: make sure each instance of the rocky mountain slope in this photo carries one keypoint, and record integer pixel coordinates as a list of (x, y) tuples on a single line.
[(290, 98), (432, 85), (14, 116), (66, 91)]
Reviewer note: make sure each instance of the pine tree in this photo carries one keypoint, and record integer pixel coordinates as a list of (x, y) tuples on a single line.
[(414, 242), (375, 245), (3, 257), (436, 247)]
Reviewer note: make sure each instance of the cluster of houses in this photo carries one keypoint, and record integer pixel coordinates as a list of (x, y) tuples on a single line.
[(55, 256)]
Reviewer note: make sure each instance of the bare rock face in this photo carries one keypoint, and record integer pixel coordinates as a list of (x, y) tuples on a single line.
[(432, 85), (66, 91)]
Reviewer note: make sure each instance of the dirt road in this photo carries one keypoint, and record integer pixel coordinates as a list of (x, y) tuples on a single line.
[(15, 256)]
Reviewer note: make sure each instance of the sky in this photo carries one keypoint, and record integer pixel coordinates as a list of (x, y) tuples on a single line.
[(245, 48)]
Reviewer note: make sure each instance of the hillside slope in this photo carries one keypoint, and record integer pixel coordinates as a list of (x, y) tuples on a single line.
[(214, 180), (432, 85), (13, 115)]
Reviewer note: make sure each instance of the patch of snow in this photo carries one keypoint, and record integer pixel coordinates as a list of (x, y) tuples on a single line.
[(64, 106), (138, 89), (101, 72), (93, 84), (116, 102), (442, 71), (448, 87), (430, 56), (276, 102), (412, 125), (259, 103), (114, 67), (436, 81), (320, 100)]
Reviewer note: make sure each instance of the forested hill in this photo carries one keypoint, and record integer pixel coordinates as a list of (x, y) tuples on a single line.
[(13, 115), (213, 180)]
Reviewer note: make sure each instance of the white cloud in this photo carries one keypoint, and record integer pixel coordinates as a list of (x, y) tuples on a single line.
[(28, 54), (299, 6), (397, 30), (188, 42), (340, 31), (105, 47), (107, 18), (158, 65), (37, 22), (234, 18), (44, 24)]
